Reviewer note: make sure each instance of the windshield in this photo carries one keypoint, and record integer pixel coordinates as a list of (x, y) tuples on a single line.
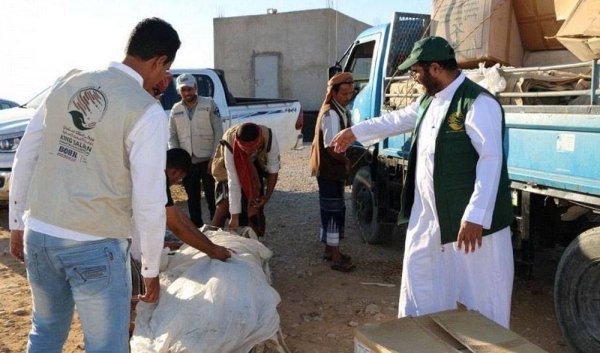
[(35, 102)]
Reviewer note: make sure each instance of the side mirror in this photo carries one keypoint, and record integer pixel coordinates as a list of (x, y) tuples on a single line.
[(334, 70)]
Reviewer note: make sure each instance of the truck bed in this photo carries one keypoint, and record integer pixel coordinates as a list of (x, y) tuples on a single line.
[(254, 101), (554, 147)]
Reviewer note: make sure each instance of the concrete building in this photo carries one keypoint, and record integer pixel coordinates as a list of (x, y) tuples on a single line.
[(283, 55)]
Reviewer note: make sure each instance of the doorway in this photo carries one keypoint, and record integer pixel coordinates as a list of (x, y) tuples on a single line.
[(266, 76)]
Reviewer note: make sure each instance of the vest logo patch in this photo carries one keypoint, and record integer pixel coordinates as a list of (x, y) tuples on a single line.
[(456, 122), (87, 108), (67, 153), (74, 145)]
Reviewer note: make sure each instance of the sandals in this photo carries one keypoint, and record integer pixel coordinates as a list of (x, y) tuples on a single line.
[(343, 266), (329, 257)]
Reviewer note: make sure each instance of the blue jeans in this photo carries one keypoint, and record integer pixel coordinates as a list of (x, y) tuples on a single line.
[(95, 276)]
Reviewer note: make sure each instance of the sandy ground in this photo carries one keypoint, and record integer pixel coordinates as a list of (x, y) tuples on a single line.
[(320, 308)]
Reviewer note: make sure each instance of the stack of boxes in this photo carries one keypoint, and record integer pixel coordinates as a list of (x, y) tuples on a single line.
[(505, 31), (479, 31)]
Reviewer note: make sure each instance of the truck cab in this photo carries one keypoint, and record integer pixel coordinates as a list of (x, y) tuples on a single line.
[(372, 59)]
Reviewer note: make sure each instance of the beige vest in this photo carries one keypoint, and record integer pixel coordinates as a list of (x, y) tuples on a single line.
[(196, 136), (218, 169), (82, 180)]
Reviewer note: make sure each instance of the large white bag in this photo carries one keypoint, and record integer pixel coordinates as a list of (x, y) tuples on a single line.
[(208, 305)]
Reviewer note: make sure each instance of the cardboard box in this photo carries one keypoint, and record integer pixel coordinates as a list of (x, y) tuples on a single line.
[(537, 24), (479, 31), (551, 57), (450, 331), (554, 57), (580, 33), (563, 8), (583, 48)]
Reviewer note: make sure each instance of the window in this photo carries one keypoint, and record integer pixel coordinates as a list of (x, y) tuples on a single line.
[(360, 63), (206, 88)]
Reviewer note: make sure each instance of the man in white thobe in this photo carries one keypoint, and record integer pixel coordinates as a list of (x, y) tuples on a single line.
[(458, 242)]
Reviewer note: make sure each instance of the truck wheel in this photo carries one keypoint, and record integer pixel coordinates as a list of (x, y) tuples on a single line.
[(364, 205), (577, 293)]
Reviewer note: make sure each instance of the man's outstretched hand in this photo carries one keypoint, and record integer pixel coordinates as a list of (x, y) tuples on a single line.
[(342, 140)]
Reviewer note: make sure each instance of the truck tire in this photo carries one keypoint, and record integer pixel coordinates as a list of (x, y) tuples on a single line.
[(364, 205), (577, 293)]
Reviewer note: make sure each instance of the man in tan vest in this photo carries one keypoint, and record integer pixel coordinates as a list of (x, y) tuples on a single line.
[(195, 125), (89, 174)]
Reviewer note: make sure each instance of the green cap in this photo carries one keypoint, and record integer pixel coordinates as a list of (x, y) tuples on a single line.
[(428, 49)]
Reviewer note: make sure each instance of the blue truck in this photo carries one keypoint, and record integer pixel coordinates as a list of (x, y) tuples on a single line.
[(553, 164)]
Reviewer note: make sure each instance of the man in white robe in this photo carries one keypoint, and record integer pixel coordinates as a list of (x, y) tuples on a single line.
[(475, 267)]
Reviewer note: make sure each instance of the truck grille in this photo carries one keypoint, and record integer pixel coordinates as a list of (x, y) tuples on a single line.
[(406, 30)]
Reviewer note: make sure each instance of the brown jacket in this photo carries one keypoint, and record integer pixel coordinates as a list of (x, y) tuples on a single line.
[(322, 164)]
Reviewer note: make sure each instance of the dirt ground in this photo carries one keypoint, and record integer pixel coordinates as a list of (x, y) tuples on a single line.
[(320, 308)]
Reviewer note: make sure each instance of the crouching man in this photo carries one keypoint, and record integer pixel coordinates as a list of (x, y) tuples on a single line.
[(248, 154), (178, 164)]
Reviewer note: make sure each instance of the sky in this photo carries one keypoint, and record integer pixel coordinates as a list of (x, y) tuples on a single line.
[(41, 40)]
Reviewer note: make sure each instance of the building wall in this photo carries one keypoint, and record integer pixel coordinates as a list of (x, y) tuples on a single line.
[(307, 43)]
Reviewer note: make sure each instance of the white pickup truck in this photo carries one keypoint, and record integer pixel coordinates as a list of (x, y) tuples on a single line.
[(283, 116)]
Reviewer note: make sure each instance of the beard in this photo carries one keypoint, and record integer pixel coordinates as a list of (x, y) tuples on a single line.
[(189, 98), (431, 85)]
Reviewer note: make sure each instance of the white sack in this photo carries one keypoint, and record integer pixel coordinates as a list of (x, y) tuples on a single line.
[(208, 305)]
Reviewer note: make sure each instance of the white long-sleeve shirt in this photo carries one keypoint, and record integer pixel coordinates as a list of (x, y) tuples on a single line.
[(233, 180), (330, 123), (146, 147)]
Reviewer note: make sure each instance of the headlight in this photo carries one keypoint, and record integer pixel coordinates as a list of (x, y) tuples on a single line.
[(9, 143)]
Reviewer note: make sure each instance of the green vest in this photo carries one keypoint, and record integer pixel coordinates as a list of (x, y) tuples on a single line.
[(455, 163)]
